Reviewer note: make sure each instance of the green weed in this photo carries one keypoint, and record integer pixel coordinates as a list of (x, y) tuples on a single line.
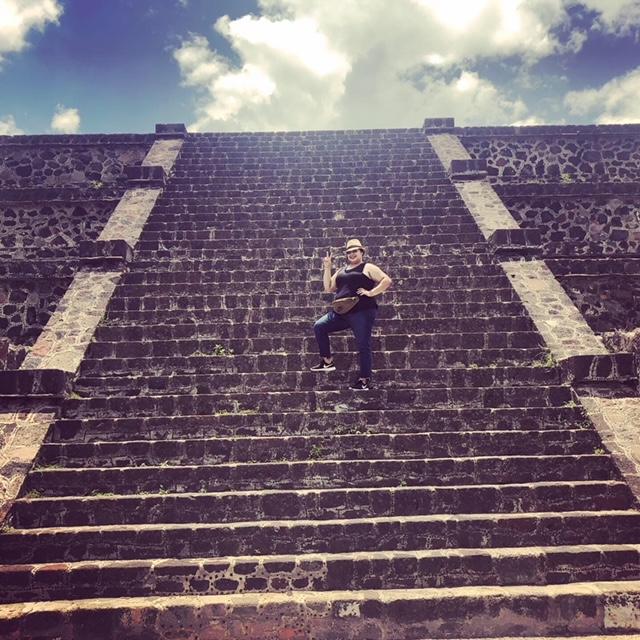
[(316, 452), (5, 527), (547, 362), (221, 350)]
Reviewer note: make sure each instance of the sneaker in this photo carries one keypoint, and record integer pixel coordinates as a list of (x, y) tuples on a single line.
[(323, 366), (361, 384)]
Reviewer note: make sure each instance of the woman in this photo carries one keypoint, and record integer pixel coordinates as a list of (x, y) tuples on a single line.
[(364, 280)]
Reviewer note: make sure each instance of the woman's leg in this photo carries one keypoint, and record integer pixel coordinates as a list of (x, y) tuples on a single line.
[(329, 323), (362, 325)]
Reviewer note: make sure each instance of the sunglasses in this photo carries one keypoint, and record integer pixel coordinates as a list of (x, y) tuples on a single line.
[(352, 251)]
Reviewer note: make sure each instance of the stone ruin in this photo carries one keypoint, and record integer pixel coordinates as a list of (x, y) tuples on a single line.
[(170, 468)]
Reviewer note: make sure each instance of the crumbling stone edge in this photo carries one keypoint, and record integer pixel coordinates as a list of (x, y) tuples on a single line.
[(31, 394), (600, 380)]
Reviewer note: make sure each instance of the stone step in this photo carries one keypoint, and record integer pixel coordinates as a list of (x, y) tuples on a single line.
[(577, 609), (280, 204), (293, 195), (309, 164), (113, 343), (218, 145), (363, 160), (466, 300), (192, 358), (329, 446), (318, 474), (336, 240), (163, 219), (276, 401), (271, 282), (302, 233), (363, 155), (163, 506), (285, 573), (381, 252), (342, 420), (302, 192), (340, 535), (350, 193), (141, 384), (171, 325), (251, 272), (595, 266), (384, 183), (212, 176), (229, 259), (307, 313)]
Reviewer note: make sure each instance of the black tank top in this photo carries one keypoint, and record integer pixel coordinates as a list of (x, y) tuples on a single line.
[(349, 281)]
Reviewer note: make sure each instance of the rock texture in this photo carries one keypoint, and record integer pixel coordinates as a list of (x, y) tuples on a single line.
[(202, 482), (56, 192), (53, 162), (557, 154)]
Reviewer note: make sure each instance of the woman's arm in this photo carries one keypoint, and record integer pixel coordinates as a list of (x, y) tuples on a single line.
[(328, 280), (377, 275)]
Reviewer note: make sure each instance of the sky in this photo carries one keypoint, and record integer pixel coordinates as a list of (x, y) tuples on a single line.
[(89, 66)]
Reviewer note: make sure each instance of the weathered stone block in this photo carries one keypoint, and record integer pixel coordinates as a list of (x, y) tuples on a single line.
[(171, 130), (505, 242), (98, 249), (463, 169), (20, 382), (145, 176), (438, 125)]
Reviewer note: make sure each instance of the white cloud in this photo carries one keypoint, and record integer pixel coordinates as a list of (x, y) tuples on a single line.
[(8, 127), (615, 102), (614, 15), (65, 120), (18, 17), (313, 64), (531, 121)]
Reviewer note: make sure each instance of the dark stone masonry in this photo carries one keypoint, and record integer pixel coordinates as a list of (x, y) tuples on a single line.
[(55, 192), (54, 227), (171, 468), (27, 304), (579, 187), (54, 161), (594, 219), (557, 154)]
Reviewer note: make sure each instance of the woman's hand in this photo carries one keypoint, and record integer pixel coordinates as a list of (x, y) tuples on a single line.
[(364, 292), (326, 261)]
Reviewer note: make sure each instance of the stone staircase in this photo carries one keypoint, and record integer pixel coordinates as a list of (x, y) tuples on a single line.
[(200, 472)]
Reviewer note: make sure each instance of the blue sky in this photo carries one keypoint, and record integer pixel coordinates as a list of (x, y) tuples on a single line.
[(123, 65)]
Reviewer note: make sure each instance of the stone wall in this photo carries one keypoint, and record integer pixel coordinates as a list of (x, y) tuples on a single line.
[(557, 154), (26, 306), (54, 226), (608, 303), (578, 186), (44, 161), (55, 191), (596, 221)]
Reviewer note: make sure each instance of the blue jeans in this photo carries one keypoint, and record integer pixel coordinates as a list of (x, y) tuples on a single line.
[(360, 322)]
